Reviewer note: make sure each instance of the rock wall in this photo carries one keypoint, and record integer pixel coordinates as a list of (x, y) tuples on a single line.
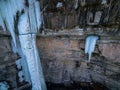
[(66, 23), (61, 43), (8, 67), (64, 60), (8, 71)]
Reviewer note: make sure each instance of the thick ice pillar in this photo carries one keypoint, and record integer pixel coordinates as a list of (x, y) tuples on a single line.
[(14, 16), (28, 45)]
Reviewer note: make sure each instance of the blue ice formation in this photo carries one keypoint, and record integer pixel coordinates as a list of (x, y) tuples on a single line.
[(90, 45), (16, 15)]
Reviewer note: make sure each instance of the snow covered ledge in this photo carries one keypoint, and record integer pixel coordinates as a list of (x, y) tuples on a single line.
[(28, 21)]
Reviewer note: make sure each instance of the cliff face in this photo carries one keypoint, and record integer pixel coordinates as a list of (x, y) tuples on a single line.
[(8, 71), (62, 14), (61, 43), (64, 61)]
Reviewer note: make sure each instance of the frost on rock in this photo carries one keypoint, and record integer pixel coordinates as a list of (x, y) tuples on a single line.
[(90, 45)]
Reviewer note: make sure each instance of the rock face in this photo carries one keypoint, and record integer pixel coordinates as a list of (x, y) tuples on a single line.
[(80, 13), (8, 68), (64, 61), (8, 71), (61, 43)]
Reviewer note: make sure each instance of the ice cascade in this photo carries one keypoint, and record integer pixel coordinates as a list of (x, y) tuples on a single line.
[(22, 18), (90, 45)]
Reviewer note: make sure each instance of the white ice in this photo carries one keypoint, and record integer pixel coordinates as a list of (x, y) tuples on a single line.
[(59, 4), (90, 45), (28, 24)]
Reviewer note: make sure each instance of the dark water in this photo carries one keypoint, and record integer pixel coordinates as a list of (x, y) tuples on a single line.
[(73, 86), (76, 86)]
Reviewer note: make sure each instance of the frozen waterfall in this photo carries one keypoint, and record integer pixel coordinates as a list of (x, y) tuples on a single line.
[(90, 45), (16, 15)]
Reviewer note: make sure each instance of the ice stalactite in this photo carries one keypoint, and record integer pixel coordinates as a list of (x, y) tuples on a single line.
[(90, 45), (8, 10), (27, 20)]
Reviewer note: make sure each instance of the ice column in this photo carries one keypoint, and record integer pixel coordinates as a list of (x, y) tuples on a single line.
[(90, 45), (27, 39), (28, 22)]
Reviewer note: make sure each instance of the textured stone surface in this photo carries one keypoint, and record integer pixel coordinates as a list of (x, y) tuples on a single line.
[(77, 12), (62, 53), (64, 61), (8, 69)]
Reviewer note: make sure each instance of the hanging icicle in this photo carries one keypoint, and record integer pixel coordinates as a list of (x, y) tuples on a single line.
[(9, 10), (90, 45)]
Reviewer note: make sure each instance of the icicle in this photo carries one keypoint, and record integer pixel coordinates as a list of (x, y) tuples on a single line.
[(23, 24), (32, 16), (30, 51), (90, 45), (2, 23), (8, 10), (38, 14)]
